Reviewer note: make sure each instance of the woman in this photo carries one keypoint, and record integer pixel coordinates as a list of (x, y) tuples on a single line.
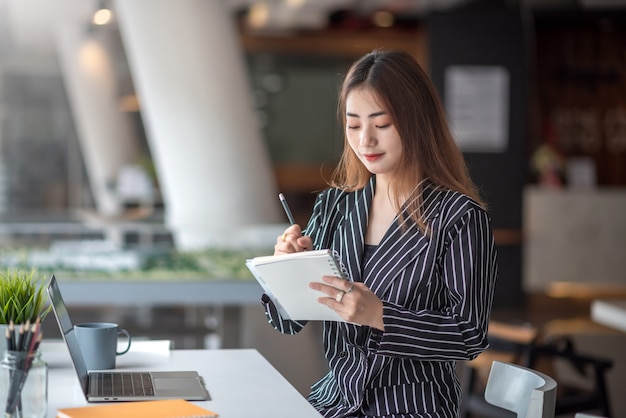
[(411, 231)]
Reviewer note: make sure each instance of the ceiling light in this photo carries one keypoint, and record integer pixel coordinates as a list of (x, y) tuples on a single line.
[(258, 15), (383, 19), (103, 15), (295, 4)]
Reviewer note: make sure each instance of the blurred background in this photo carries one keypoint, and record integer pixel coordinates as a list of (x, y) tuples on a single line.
[(143, 144)]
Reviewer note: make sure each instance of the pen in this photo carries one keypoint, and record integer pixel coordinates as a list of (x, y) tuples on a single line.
[(283, 201), (25, 337), (20, 338), (34, 332), (9, 338)]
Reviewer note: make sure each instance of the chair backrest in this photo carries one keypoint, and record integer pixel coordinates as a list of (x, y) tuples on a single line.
[(527, 392)]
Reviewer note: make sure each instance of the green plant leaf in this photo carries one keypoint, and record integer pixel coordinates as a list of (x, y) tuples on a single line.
[(22, 296)]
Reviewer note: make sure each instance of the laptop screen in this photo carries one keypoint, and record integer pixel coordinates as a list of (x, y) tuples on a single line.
[(67, 329)]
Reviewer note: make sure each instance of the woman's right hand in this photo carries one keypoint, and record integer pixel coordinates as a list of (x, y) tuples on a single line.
[(292, 241)]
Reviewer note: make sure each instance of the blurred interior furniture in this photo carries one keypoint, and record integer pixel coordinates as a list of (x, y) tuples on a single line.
[(527, 392), (557, 252), (610, 312), (527, 346), (227, 297), (583, 415)]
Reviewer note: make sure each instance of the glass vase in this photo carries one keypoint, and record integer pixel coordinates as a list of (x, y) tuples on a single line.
[(24, 383)]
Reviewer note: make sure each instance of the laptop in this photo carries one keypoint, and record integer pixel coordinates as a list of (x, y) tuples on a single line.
[(117, 385)]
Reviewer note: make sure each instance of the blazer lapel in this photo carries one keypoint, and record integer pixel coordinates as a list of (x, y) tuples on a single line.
[(352, 230)]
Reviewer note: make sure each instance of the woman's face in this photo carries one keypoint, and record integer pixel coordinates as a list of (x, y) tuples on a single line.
[(371, 135)]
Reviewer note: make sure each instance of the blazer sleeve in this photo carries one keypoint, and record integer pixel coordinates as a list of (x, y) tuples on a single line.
[(318, 233), (457, 329)]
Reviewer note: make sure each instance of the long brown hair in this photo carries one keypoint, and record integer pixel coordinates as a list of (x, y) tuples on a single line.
[(406, 92)]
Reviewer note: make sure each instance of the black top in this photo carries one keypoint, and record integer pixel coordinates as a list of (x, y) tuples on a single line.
[(368, 252)]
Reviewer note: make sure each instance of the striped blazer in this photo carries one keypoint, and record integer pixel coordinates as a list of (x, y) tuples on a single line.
[(436, 289)]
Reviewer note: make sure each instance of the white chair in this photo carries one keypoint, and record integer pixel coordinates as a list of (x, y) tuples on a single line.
[(527, 392)]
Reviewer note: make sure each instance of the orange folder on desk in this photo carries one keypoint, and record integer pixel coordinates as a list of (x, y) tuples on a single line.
[(170, 408)]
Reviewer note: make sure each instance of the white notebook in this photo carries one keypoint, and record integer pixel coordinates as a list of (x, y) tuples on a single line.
[(285, 279)]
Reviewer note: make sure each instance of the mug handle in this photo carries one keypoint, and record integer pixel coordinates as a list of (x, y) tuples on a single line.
[(124, 332)]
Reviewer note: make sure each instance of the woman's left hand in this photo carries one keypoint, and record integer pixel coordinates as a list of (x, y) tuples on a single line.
[(354, 302)]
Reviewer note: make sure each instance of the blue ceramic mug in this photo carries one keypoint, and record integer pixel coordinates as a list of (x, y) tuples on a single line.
[(98, 343)]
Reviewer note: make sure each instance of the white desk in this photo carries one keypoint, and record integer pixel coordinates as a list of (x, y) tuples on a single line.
[(610, 312), (241, 382)]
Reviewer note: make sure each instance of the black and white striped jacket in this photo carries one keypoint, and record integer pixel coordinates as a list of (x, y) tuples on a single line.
[(437, 290)]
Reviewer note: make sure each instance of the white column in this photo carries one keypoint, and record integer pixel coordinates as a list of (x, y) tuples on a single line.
[(3, 174), (105, 133), (189, 73)]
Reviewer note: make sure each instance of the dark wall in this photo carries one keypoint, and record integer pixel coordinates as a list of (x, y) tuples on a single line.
[(492, 35)]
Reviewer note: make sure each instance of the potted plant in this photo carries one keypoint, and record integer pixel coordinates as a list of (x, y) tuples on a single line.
[(22, 298)]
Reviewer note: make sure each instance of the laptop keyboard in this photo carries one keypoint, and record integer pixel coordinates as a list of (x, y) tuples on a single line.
[(127, 384)]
